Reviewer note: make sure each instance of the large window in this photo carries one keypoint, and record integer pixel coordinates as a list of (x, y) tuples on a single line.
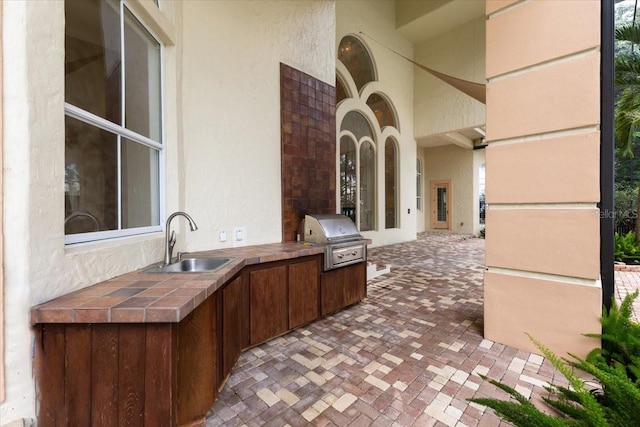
[(419, 185), (369, 141), (113, 126), (390, 184)]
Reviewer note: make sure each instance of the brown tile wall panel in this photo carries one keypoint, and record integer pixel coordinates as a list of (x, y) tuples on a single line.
[(308, 132)]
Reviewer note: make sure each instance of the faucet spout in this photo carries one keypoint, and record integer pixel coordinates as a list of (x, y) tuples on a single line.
[(169, 240)]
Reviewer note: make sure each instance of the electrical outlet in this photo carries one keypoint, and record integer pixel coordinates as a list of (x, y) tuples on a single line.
[(223, 236), (239, 236)]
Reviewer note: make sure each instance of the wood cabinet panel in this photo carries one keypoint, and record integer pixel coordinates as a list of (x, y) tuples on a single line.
[(268, 303), (331, 291), (231, 326), (160, 405), (355, 283), (104, 375), (130, 376), (50, 368), (197, 364), (342, 287), (78, 380), (303, 292)]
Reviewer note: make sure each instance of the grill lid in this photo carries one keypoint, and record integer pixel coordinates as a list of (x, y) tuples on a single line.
[(329, 229)]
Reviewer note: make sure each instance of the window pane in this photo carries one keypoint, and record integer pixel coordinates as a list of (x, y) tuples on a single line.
[(367, 187), (348, 178), (358, 124), (91, 190), (381, 110), (92, 57), (481, 192), (390, 184), (441, 202), (418, 185), (355, 57), (142, 79), (140, 192)]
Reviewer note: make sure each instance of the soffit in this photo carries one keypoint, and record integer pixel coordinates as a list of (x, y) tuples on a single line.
[(465, 138), (421, 20)]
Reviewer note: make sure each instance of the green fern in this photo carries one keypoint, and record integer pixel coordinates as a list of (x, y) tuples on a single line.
[(615, 367), (626, 247), (620, 339)]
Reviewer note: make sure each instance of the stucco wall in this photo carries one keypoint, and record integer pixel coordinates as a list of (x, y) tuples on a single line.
[(460, 53), (231, 108), (395, 79), (456, 164), (221, 131)]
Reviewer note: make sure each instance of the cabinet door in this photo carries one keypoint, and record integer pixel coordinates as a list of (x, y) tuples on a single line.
[(331, 291), (231, 327), (342, 287), (268, 303), (303, 292), (355, 288)]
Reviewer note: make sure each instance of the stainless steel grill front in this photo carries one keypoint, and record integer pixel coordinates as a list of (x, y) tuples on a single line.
[(344, 244)]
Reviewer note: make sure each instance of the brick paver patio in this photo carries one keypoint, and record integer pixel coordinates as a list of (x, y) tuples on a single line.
[(628, 282), (408, 355)]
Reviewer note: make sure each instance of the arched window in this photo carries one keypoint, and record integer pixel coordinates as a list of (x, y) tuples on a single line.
[(419, 184), (390, 184), (360, 205), (481, 193), (354, 55), (382, 111), (348, 177), (358, 124), (369, 125), (367, 186)]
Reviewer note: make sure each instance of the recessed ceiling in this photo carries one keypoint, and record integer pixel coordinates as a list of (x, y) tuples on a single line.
[(421, 20), (465, 138)]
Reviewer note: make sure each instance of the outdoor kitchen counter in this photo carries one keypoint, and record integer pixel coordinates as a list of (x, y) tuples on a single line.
[(140, 297)]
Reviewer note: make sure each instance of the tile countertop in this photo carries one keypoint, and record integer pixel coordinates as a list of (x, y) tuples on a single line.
[(140, 297)]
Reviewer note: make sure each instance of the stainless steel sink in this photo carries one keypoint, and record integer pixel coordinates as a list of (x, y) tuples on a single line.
[(191, 265)]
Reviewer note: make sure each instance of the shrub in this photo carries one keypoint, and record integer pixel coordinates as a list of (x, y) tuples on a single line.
[(626, 209), (626, 247), (615, 367)]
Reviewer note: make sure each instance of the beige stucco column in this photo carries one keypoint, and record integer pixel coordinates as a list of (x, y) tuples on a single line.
[(542, 172)]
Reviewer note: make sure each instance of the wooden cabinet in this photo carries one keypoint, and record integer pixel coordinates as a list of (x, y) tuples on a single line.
[(196, 348), (268, 303), (168, 374), (283, 295), (116, 374), (303, 292), (230, 323), (342, 287)]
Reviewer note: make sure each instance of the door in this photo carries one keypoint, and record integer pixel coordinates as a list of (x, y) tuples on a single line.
[(440, 204)]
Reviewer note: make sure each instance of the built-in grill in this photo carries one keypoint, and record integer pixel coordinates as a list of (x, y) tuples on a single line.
[(344, 244)]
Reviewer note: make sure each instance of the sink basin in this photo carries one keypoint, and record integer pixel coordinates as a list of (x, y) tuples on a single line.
[(191, 265)]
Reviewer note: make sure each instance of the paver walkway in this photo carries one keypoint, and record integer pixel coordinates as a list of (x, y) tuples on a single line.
[(408, 355)]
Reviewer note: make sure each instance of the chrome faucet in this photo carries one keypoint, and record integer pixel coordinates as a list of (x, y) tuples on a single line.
[(170, 239)]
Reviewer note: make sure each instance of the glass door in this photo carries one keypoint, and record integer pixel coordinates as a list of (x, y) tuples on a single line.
[(440, 204)]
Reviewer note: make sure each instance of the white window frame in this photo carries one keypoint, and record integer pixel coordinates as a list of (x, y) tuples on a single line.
[(121, 132)]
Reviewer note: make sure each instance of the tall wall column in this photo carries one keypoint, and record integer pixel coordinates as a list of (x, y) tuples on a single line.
[(542, 173)]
